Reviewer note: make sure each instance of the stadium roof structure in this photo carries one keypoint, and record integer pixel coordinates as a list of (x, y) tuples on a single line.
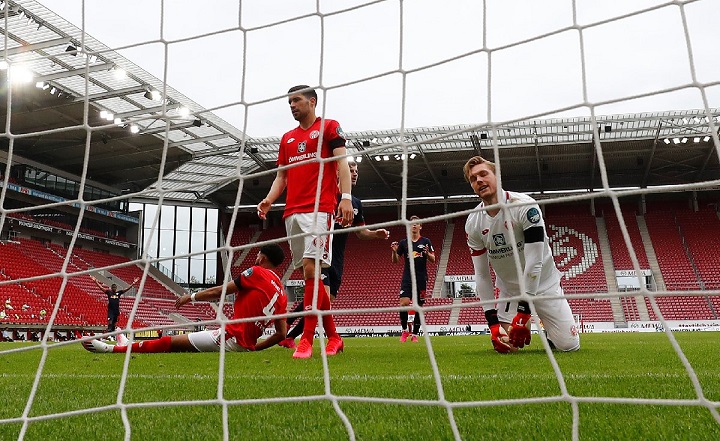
[(199, 156)]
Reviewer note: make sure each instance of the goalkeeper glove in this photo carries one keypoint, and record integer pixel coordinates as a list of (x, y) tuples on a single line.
[(498, 336), (520, 331)]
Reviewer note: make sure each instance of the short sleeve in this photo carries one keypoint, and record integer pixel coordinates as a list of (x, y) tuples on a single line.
[(472, 241), (333, 134), (531, 216)]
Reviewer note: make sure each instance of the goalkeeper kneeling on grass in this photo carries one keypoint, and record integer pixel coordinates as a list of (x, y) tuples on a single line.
[(491, 244), (258, 293)]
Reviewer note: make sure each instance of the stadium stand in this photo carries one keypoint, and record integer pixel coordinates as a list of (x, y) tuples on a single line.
[(618, 247)]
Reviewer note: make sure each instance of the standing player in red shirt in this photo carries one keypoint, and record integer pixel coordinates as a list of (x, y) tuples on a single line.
[(307, 179), (258, 293)]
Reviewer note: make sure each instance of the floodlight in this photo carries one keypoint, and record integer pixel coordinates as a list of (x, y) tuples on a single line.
[(706, 139), (676, 140), (684, 140), (153, 95), (386, 158), (134, 128), (666, 141), (412, 155), (696, 139), (358, 159)]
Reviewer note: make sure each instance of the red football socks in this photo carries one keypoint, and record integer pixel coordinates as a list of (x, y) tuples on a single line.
[(310, 320), (161, 344), (328, 320)]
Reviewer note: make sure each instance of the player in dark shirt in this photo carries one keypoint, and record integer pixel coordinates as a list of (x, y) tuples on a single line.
[(332, 276), (422, 251), (113, 295)]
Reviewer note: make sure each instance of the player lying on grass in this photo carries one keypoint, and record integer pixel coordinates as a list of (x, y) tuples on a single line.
[(490, 243), (258, 292)]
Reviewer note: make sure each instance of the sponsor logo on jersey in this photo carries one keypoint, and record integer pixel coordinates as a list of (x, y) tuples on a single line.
[(304, 156), (248, 272), (533, 215), (314, 134), (290, 140), (499, 240), (301, 147), (485, 231)]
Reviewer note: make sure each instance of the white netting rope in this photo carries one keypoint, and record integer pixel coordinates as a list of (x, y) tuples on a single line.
[(337, 400)]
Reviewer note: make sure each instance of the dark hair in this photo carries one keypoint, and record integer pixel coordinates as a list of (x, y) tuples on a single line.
[(306, 91), (414, 217), (274, 253)]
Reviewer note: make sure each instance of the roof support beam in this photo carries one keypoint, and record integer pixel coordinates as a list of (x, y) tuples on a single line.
[(149, 110), (377, 172), (200, 140), (36, 46), (711, 150), (648, 167), (539, 166), (111, 94), (71, 73), (432, 174)]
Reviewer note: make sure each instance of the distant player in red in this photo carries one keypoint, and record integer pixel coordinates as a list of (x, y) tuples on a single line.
[(258, 293), (309, 230)]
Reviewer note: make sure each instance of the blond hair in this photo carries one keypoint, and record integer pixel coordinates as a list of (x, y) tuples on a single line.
[(472, 162)]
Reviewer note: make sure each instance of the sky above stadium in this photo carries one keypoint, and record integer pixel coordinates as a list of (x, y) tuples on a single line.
[(391, 64)]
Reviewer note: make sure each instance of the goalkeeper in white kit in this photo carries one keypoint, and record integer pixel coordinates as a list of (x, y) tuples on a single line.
[(491, 245)]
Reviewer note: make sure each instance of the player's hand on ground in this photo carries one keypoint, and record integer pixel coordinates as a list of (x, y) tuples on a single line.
[(263, 208), (182, 300), (520, 331), (345, 212), (500, 340)]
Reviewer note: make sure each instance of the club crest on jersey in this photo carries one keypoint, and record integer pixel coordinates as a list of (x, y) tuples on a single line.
[(499, 239), (340, 132), (301, 147), (533, 215), (248, 272), (314, 134)]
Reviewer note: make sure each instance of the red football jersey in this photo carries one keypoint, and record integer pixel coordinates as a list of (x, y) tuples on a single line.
[(301, 146), (260, 293)]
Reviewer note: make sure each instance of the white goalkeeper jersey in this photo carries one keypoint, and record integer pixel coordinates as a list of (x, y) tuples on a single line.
[(486, 234)]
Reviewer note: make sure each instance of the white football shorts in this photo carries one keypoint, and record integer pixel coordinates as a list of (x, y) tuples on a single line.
[(556, 316), (209, 341), (313, 243)]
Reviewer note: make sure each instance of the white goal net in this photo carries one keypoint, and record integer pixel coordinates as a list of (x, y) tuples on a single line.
[(606, 112)]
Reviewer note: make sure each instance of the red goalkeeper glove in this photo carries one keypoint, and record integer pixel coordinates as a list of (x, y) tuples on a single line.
[(498, 336), (520, 330), (499, 339)]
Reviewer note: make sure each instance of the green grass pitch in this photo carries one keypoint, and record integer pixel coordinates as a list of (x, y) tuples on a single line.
[(641, 366)]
